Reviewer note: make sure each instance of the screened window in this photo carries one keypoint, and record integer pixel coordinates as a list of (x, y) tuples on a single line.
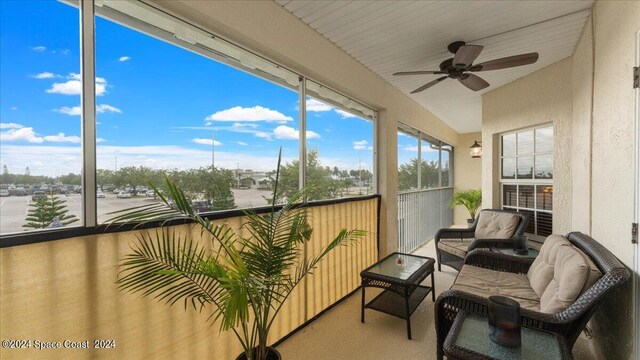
[(527, 176), (213, 129), (339, 145), (40, 128), (433, 155)]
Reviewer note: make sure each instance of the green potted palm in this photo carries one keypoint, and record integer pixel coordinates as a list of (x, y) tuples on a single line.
[(470, 199), (242, 281)]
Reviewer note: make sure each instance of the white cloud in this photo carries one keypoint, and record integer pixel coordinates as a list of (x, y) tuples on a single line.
[(99, 140), (410, 148), (360, 145), (124, 58), (256, 113), (289, 133), (242, 143), (73, 111), (202, 141), (13, 108), (345, 114), (74, 87), (157, 157), (61, 137), (317, 106), (103, 108), (77, 110), (10, 126), (45, 75), (245, 125), (38, 48), (21, 134)]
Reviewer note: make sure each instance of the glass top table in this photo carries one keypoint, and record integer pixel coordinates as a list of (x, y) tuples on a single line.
[(399, 266), (469, 337), (400, 275)]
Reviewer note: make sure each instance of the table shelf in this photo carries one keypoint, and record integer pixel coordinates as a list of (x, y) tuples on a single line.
[(391, 303)]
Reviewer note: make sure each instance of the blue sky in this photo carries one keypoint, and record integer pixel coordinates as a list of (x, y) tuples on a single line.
[(157, 104)]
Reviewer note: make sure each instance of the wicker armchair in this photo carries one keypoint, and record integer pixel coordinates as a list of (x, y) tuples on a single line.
[(567, 323), (462, 241)]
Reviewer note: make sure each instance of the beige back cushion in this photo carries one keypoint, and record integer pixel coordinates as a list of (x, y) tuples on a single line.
[(541, 271), (496, 225), (569, 278), (594, 273)]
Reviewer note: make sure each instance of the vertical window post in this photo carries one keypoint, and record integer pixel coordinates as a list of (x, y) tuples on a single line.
[(302, 93), (88, 102)]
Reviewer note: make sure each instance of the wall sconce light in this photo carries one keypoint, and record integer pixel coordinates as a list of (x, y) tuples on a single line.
[(476, 150)]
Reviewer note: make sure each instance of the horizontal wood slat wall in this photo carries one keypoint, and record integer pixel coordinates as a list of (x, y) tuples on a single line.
[(65, 290)]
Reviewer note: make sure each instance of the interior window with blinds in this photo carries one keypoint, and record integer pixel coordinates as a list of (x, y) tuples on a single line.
[(526, 176)]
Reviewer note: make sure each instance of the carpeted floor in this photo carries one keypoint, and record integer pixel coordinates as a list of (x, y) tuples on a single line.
[(339, 334)]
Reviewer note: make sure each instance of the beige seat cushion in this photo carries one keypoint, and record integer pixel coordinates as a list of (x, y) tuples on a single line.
[(455, 247), (485, 283), (569, 278), (496, 225), (541, 271)]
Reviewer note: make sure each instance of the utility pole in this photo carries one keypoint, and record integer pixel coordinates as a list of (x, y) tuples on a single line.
[(116, 163), (213, 143), (359, 171)]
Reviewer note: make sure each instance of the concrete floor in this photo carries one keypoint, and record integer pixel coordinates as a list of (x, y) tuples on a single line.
[(339, 334)]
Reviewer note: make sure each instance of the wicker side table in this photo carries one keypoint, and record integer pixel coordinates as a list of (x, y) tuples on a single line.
[(468, 339), (400, 276)]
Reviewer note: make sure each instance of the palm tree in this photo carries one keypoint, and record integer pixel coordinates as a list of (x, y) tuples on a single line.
[(244, 281)]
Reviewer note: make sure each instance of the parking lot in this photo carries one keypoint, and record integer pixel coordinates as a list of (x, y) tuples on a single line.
[(13, 209)]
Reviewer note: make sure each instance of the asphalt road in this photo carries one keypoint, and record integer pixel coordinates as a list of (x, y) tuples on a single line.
[(13, 209)]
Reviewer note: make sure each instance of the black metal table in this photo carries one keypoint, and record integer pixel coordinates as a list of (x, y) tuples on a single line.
[(468, 339), (400, 276)]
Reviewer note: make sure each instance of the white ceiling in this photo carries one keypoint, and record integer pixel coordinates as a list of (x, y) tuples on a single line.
[(391, 36)]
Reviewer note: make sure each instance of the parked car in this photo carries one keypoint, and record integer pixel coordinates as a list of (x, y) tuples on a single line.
[(201, 206), (150, 193), (20, 191), (4, 192), (100, 195), (37, 195), (124, 195)]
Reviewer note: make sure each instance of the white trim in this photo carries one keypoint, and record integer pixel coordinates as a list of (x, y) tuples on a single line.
[(88, 103)]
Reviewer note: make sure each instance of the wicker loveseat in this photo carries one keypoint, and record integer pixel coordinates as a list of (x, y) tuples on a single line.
[(558, 291), (492, 228)]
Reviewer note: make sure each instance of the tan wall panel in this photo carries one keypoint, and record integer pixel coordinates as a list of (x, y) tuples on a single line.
[(544, 96), (467, 173), (65, 290)]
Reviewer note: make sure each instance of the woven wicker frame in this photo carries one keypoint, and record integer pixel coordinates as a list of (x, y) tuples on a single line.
[(568, 323), (456, 262)]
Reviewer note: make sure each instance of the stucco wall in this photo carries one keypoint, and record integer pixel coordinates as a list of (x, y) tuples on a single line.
[(615, 25), (270, 30), (542, 97), (467, 173), (582, 71), (591, 101)]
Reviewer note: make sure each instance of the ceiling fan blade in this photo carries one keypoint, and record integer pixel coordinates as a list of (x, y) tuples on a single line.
[(418, 72), (473, 82), (466, 55), (428, 85), (506, 62)]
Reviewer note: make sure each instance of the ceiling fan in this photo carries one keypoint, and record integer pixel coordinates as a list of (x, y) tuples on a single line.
[(459, 66)]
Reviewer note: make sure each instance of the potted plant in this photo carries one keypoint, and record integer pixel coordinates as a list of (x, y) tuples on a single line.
[(470, 199), (243, 280)]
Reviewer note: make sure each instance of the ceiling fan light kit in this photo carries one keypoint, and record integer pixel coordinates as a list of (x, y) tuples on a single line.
[(461, 64)]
